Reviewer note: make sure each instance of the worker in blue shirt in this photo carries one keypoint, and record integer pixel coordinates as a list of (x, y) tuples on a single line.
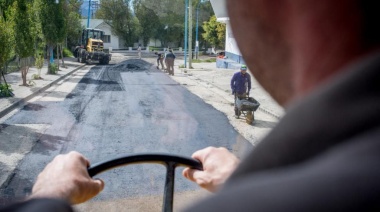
[(240, 85)]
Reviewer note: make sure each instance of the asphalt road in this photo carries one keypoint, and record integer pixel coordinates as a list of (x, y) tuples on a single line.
[(107, 111)]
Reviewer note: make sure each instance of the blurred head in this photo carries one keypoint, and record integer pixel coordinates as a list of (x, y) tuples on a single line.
[(292, 46), (243, 69)]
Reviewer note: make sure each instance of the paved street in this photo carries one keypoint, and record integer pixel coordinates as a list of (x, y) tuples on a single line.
[(106, 111)]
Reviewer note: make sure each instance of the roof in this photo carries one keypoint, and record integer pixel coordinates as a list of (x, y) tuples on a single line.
[(94, 23), (220, 10)]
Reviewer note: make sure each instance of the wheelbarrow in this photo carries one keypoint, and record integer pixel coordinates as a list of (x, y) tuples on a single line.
[(246, 106), (169, 161)]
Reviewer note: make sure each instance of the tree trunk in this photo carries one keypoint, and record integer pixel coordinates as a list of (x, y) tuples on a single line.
[(63, 61), (48, 59), (58, 56), (24, 63), (24, 73)]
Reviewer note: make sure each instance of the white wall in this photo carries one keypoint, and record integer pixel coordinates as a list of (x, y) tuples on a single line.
[(231, 45), (114, 39), (154, 42)]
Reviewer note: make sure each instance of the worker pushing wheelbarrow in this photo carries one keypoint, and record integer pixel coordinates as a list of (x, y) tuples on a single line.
[(240, 86)]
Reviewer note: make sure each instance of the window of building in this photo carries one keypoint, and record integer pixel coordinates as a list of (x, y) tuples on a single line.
[(106, 38)]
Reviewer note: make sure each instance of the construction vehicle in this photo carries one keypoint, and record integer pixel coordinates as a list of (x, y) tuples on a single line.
[(91, 47)]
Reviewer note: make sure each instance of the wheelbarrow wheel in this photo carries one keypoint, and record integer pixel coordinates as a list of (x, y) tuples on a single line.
[(250, 117), (237, 112)]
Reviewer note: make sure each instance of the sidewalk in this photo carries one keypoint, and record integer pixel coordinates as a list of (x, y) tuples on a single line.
[(212, 85), (220, 78), (24, 93)]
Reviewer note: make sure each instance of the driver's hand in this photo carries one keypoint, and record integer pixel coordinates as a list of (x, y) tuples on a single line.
[(218, 165), (66, 177)]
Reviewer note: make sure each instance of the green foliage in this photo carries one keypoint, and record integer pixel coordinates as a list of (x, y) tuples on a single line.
[(148, 20), (5, 90), (36, 76), (67, 53), (39, 63), (73, 21), (53, 68), (171, 16), (118, 14), (215, 32), (52, 21), (23, 30), (31, 81), (212, 60), (6, 35)]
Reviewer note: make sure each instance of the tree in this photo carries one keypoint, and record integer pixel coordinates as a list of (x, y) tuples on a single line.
[(215, 32), (6, 34), (52, 24), (148, 20), (73, 21), (24, 36), (171, 15), (118, 14)]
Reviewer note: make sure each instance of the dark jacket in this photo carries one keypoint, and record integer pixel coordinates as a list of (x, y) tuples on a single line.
[(170, 55), (324, 155), (240, 83)]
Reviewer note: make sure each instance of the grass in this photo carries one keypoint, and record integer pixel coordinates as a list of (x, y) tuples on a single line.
[(211, 60), (67, 53)]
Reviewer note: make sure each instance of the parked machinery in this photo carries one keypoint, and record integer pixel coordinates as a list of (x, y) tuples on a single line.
[(91, 47)]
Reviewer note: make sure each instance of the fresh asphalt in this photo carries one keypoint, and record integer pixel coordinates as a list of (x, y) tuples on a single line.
[(126, 108)]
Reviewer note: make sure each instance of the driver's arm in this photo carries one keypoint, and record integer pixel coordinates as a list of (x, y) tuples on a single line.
[(218, 165)]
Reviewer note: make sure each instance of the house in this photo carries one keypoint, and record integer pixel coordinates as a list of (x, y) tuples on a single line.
[(234, 58), (109, 40)]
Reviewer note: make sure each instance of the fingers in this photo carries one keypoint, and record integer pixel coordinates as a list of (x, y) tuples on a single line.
[(66, 177), (218, 165)]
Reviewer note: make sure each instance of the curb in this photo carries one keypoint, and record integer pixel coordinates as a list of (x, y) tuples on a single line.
[(44, 88)]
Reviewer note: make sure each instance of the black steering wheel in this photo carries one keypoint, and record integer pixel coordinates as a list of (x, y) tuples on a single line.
[(169, 161)]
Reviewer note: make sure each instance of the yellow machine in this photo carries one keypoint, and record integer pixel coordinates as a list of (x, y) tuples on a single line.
[(91, 47)]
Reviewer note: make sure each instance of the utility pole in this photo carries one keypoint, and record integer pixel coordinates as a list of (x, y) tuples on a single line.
[(196, 33), (190, 33), (185, 44), (89, 14)]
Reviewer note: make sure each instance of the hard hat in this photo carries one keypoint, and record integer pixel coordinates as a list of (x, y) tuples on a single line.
[(243, 67)]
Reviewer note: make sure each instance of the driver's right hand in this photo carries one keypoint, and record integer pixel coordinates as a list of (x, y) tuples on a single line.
[(218, 165)]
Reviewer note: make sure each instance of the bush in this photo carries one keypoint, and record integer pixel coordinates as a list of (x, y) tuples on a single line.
[(5, 90), (212, 60), (53, 68), (67, 53)]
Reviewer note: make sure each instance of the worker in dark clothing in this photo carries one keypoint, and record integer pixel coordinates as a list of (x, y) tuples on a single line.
[(240, 86), (169, 58), (321, 61), (160, 59)]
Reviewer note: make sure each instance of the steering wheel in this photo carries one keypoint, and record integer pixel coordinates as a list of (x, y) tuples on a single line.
[(169, 161)]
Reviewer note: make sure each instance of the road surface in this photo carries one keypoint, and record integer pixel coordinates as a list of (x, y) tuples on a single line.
[(107, 111)]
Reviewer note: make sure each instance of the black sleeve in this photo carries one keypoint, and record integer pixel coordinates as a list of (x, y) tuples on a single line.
[(38, 205)]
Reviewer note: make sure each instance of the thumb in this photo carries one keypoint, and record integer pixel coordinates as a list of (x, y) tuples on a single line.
[(98, 185), (195, 175)]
